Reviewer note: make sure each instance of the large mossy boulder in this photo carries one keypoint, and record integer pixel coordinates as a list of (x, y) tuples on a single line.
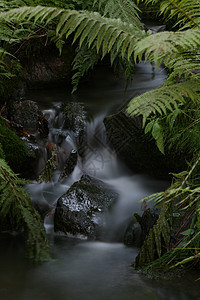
[(81, 210), (13, 147), (137, 150), (21, 154)]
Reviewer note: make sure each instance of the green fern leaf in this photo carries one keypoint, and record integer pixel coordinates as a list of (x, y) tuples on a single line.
[(126, 10), (17, 211), (167, 96), (87, 26)]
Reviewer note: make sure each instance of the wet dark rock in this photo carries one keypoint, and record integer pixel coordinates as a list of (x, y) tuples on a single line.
[(137, 150), (48, 69), (147, 221), (74, 116), (126, 136), (132, 236), (139, 227), (75, 121), (81, 210), (69, 165), (27, 114)]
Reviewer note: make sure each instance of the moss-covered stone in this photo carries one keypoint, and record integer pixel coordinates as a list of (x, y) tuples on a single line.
[(13, 147)]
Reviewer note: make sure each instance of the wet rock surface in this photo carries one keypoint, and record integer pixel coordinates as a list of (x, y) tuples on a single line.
[(147, 221), (30, 124), (69, 165), (27, 114), (139, 227), (132, 236), (75, 119), (48, 69), (137, 150), (81, 210)]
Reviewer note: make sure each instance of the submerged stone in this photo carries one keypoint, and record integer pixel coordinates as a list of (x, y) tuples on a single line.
[(81, 210)]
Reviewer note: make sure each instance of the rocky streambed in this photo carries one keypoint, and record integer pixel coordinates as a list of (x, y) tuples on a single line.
[(88, 189)]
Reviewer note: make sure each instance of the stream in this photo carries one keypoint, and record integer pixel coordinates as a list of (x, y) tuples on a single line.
[(83, 269)]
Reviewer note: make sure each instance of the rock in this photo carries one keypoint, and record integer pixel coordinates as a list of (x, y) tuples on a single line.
[(137, 150), (69, 165), (27, 114), (139, 226), (15, 151), (75, 121), (147, 221), (47, 69), (132, 236), (74, 117), (80, 211)]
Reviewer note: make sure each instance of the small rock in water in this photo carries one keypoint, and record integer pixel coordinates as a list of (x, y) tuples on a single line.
[(80, 211), (69, 165), (27, 114)]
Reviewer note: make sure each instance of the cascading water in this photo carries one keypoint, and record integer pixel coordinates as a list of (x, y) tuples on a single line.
[(85, 270), (96, 160)]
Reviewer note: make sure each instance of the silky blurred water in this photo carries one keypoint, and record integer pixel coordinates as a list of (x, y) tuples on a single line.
[(81, 269)]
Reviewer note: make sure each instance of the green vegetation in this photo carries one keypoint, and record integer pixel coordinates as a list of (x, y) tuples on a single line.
[(17, 212), (170, 113), (14, 148)]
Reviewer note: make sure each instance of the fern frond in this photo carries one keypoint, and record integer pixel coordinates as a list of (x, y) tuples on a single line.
[(165, 46), (185, 66), (126, 10), (5, 4), (17, 211), (89, 27), (183, 197), (164, 99), (51, 165), (186, 12), (152, 246), (84, 60)]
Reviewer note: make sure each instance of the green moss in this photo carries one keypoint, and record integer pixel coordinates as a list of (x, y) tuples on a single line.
[(13, 147)]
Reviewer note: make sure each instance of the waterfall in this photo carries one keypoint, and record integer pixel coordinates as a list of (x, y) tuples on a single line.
[(98, 160)]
